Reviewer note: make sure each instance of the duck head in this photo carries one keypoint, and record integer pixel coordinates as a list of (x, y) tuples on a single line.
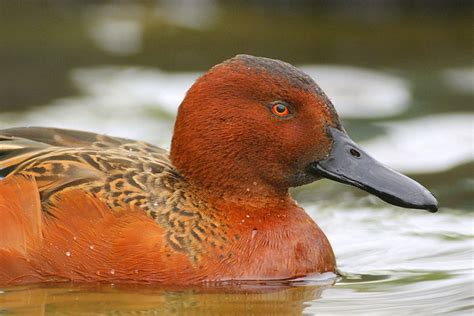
[(252, 127)]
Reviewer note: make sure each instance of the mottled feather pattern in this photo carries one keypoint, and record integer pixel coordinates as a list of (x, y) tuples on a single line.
[(121, 172)]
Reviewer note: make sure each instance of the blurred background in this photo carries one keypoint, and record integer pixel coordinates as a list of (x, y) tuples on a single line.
[(399, 72)]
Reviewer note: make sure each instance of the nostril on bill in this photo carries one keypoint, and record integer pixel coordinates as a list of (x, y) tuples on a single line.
[(354, 153)]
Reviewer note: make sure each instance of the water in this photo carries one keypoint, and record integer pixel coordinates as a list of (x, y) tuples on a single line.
[(403, 88)]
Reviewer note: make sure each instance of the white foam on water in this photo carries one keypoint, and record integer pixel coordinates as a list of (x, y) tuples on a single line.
[(115, 101), (361, 93), (428, 144), (135, 86)]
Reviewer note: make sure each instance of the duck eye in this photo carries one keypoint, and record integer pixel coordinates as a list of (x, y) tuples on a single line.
[(280, 109)]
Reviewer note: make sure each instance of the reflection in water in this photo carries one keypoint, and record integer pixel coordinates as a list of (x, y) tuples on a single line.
[(264, 299)]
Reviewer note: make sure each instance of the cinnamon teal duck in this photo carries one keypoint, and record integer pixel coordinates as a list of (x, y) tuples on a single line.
[(79, 206)]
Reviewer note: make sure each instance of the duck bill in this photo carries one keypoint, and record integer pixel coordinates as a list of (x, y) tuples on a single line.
[(349, 164)]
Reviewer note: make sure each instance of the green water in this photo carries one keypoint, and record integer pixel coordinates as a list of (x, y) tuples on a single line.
[(64, 65)]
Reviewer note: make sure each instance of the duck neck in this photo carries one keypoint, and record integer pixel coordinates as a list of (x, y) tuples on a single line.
[(232, 182), (250, 194), (228, 188)]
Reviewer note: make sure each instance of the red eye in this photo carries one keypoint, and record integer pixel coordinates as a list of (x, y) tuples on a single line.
[(280, 109)]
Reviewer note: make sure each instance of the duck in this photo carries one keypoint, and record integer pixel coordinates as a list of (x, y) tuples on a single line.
[(83, 207)]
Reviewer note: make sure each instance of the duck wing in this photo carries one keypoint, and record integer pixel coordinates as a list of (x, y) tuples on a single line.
[(65, 170), (62, 137), (118, 170)]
